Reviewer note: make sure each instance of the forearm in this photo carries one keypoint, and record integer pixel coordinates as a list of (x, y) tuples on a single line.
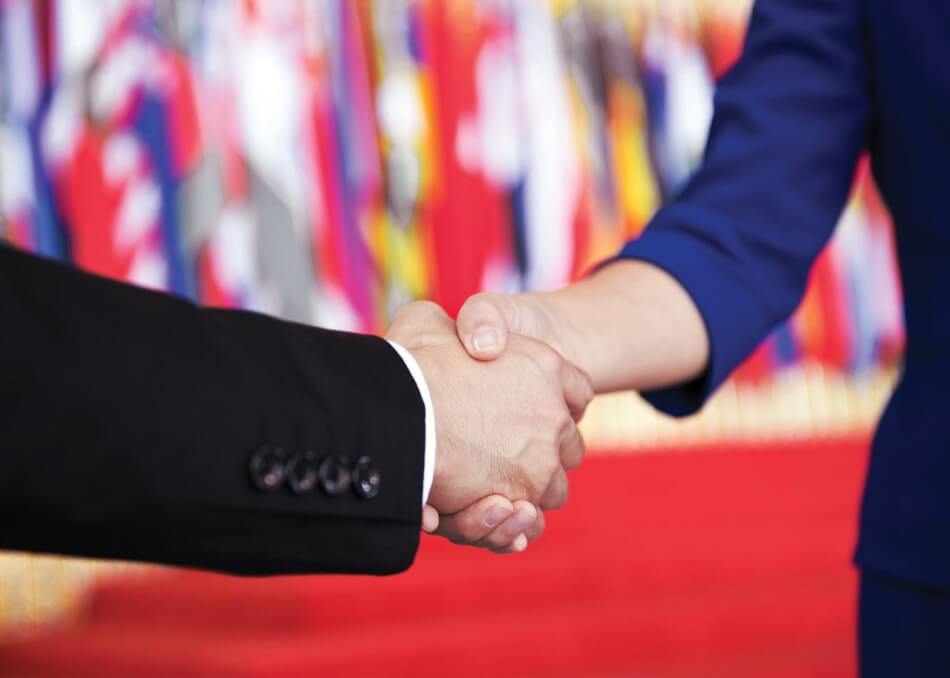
[(132, 422), (629, 326)]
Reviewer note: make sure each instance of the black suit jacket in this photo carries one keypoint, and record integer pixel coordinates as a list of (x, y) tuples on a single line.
[(135, 425)]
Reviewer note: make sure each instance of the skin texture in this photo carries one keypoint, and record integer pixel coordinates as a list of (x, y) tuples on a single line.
[(629, 326), (506, 431)]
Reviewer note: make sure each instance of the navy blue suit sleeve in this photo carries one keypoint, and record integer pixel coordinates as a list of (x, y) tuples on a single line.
[(790, 121)]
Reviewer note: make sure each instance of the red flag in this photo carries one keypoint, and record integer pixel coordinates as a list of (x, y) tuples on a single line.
[(468, 216)]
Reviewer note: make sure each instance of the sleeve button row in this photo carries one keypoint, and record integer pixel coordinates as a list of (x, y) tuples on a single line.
[(272, 466)]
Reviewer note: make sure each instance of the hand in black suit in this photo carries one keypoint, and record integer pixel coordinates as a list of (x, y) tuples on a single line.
[(139, 426)]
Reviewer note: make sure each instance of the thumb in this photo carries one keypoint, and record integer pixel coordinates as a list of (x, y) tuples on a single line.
[(430, 519), (483, 324)]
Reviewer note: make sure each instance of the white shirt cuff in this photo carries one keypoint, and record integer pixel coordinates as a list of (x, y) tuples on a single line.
[(428, 472)]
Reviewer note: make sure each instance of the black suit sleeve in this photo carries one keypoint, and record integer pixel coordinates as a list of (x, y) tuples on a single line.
[(129, 421)]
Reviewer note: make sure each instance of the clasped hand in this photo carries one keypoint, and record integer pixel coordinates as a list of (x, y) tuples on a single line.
[(506, 431)]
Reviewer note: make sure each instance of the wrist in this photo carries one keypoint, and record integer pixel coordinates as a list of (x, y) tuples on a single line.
[(546, 316), (437, 383), (638, 327), (418, 375), (561, 316), (595, 320)]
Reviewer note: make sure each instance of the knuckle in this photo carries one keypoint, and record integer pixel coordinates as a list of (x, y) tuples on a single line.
[(537, 469), (578, 453), (557, 501), (585, 388), (565, 422), (548, 465), (556, 498), (548, 477), (559, 425), (537, 486)]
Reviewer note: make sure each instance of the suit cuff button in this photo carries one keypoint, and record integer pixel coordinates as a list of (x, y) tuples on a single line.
[(302, 473), (366, 478), (334, 473), (268, 468)]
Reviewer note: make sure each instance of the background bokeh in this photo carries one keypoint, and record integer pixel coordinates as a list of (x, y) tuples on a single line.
[(328, 161)]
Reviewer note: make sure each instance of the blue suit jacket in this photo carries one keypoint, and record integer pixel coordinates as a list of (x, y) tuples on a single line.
[(819, 82)]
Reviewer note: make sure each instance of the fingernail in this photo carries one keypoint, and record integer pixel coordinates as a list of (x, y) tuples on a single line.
[(485, 339), (520, 543), (495, 515), (521, 521)]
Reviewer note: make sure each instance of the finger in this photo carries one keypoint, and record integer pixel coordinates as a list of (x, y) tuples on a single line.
[(517, 546), (430, 519), (483, 324), (537, 528), (507, 533), (572, 449), (577, 388), (521, 542), (555, 496), (476, 521)]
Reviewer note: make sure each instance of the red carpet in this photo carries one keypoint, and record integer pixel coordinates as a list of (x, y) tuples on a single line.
[(708, 563)]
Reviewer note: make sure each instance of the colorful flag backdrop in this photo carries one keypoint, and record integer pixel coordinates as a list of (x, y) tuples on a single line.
[(329, 160)]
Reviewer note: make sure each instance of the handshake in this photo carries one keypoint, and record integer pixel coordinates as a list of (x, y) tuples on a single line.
[(507, 381), (506, 408), (512, 376)]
